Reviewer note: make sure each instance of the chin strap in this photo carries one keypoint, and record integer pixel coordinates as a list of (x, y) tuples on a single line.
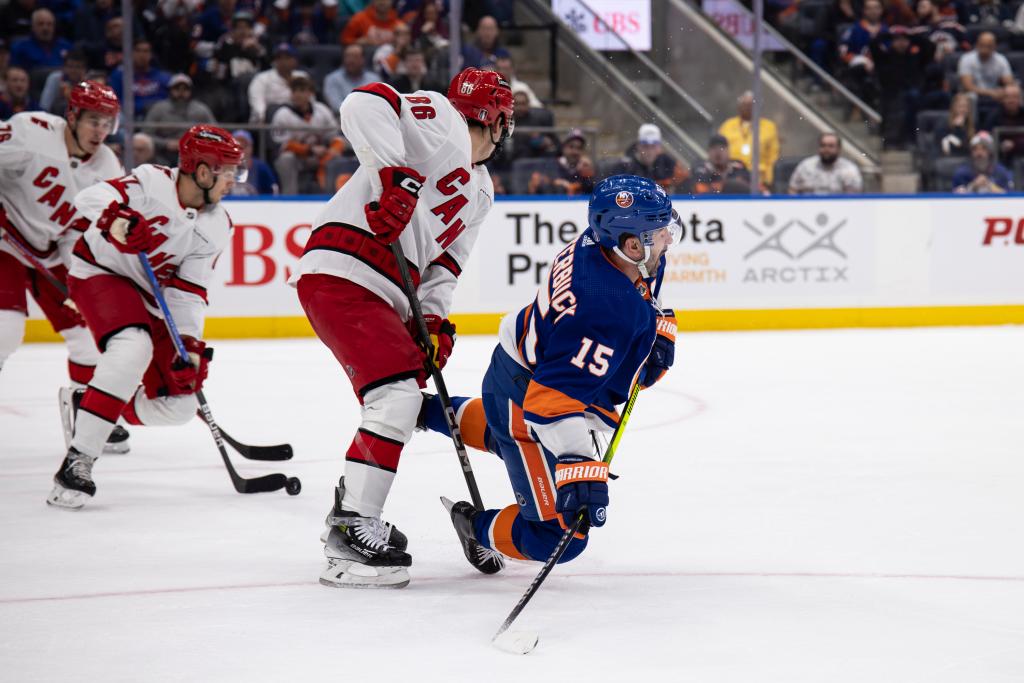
[(498, 144), (206, 190), (641, 265)]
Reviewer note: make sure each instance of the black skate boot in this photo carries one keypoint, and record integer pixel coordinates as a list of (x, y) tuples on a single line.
[(73, 485), (69, 399), (483, 559), (359, 551), (396, 539)]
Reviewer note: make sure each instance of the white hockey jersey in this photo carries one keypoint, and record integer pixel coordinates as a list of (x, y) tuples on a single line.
[(190, 241), (38, 184), (422, 131)]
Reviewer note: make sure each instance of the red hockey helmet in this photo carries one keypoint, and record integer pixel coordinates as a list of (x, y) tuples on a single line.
[(93, 96), (483, 96), (210, 145)]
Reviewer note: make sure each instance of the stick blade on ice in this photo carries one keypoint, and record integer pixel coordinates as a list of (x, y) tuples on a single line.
[(516, 642)]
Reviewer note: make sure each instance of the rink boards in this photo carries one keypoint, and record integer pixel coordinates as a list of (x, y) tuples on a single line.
[(742, 264)]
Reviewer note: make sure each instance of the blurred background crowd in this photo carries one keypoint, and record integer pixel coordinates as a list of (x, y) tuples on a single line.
[(942, 73)]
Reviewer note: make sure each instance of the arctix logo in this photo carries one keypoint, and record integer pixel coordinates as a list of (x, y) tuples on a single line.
[(810, 243), (1003, 228)]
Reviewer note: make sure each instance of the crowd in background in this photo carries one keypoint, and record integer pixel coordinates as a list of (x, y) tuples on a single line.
[(286, 65)]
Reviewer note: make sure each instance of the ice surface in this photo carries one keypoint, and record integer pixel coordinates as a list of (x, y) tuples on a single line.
[(793, 506)]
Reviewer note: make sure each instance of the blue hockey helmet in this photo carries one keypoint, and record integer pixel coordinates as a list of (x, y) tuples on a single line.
[(628, 205)]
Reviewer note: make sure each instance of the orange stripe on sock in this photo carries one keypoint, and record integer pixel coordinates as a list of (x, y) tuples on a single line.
[(473, 424), (501, 533), (536, 466)]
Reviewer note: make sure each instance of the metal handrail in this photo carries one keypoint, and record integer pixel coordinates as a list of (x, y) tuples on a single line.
[(654, 68), (796, 52)]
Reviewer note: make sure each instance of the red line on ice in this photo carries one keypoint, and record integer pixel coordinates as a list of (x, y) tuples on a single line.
[(602, 575)]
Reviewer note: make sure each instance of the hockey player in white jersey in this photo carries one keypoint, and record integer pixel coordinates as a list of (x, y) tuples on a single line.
[(173, 215), (44, 161), (426, 152)]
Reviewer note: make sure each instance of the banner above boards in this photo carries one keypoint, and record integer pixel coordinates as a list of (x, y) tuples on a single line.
[(622, 23)]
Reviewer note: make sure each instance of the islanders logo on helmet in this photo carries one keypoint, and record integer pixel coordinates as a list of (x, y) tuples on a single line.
[(624, 199)]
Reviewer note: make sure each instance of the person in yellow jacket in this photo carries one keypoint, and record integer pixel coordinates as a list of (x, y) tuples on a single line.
[(740, 134)]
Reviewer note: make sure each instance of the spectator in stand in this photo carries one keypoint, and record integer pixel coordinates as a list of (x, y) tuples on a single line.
[(106, 54), (214, 21), (943, 30), (855, 53), (506, 68), (575, 170), (485, 48), (150, 84), (174, 45), (59, 83), (306, 22), (262, 179), (5, 63), (719, 174), (826, 173), (429, 31), (143, 149), (43, 47), (953, 134), (987, 12), (375, 25), (902, 61), (387, 59), (16, 19), (1011, 142), (271, 86), (823, 49), (16, 94), (984, 73), (90, 24), (350, 75), (982, 174), (527, 143), (238, 52), (306, 134), (416, 76), (647, 157), (739, 131), (179, 108)]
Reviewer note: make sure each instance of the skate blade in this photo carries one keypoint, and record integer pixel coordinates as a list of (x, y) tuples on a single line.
[(69, 499), (118, 448), (348, 574)]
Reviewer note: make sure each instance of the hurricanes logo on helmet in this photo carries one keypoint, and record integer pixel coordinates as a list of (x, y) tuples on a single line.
[(624, 199), (208, 135), (466, 89)]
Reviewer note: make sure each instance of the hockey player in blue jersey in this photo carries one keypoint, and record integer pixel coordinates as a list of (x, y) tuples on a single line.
[(561, 367)]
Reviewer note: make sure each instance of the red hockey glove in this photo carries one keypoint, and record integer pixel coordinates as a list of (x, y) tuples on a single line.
[(125, 228), (389, 215), (188, 378), (442, 337)]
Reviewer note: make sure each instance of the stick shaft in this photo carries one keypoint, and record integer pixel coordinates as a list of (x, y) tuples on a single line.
[(563, 542)]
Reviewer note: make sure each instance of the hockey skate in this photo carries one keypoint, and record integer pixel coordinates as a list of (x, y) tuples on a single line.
[(483, 559), (363, 552), (73, 485), (117, 442)]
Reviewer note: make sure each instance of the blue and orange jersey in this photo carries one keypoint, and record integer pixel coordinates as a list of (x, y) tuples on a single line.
[(584, 338)]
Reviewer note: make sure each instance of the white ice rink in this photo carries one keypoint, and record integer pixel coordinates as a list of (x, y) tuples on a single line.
[(793, 506)]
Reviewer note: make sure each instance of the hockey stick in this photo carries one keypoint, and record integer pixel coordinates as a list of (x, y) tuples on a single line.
[(524, 643), (268, 482), (281, 451), (369, 160)]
